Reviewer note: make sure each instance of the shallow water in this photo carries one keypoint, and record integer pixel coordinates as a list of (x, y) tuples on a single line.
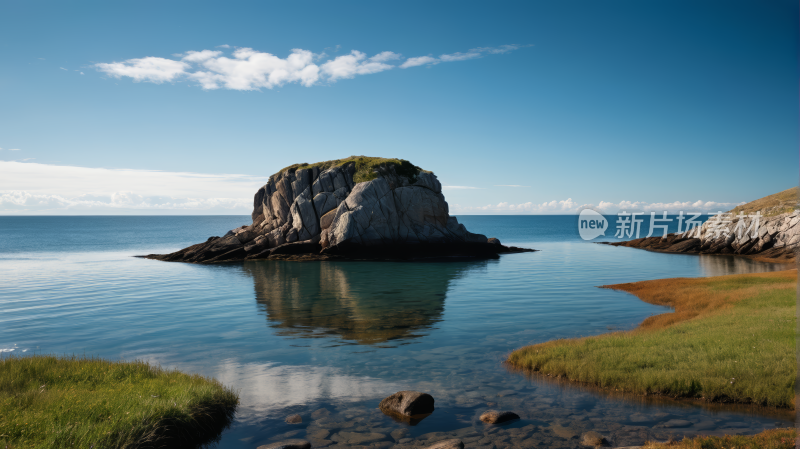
[(299, 337)]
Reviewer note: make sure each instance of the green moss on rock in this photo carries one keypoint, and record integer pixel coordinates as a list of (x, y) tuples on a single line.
[(366, 167)]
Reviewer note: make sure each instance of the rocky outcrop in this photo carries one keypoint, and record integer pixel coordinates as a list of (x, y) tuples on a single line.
[(776, 239), (407, 404), (320, 212)]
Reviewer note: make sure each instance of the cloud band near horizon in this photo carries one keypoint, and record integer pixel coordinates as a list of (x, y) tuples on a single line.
[(249, 69), (36, 188)]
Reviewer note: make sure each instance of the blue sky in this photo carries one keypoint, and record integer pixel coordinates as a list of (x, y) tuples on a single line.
[(589, 102)]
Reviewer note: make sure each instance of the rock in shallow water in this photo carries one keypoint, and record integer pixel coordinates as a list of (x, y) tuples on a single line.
[(294, 419), (358, 437), (287, 444), (320, 413), (497, 417), (593, 438), (407, 403), (447, 444), (676, 423)]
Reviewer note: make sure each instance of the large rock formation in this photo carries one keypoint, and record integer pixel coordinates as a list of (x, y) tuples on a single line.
[(355, 207), (777, 238)]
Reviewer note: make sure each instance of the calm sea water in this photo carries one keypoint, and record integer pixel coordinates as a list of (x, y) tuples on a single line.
[(299, 337)]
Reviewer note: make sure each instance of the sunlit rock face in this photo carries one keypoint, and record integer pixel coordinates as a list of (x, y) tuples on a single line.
[(388, 210)]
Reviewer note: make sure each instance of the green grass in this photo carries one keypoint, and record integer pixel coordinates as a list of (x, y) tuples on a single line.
[(60, 402), (730, 339), (365, 167), (769, 439)]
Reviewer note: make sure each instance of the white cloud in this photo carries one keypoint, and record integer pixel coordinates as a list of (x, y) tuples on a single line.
[(199, 56), (356, 63), (474, 53), (62, 68), (386, 56), (674, 206), (460, 188), (151, 69), (460, 56), (14, 149), (496, 50), (249, 69), (418, 61), (58, 189), (569, 206), (509, 185)]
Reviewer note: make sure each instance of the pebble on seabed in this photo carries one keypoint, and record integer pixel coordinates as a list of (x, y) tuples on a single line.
[(294, 419)]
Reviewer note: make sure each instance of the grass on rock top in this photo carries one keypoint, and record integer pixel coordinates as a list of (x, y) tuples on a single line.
[(730, 339), (775, 204), (366, 167), (60, 402)]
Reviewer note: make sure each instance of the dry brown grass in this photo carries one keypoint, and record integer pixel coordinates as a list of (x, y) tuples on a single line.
[(775, 204), (768, 439), (693, 297)]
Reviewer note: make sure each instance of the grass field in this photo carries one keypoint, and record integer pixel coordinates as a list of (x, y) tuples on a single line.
[(60, 402), (730, 339), (769, 439), (775, 204)]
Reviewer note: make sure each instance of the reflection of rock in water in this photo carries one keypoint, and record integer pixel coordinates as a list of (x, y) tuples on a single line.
[(368, 303), (713, 265)]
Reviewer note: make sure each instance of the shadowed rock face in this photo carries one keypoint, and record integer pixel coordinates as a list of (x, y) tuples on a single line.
[(322, 213), (357, 302)]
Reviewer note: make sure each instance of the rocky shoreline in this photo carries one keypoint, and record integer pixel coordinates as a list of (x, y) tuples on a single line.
[(359, 208), (776, 240)]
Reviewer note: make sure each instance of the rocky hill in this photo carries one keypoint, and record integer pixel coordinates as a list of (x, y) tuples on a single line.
[(777, 238), (358, 207)]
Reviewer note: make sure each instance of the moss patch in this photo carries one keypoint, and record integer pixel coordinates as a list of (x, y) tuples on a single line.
[(366, 167), (70, 402)]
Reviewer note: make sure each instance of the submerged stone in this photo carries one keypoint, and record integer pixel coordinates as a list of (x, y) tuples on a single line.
[(408, 403), (287, 444), (593, 438), (294, 419), (447, 444), (497, 417)]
